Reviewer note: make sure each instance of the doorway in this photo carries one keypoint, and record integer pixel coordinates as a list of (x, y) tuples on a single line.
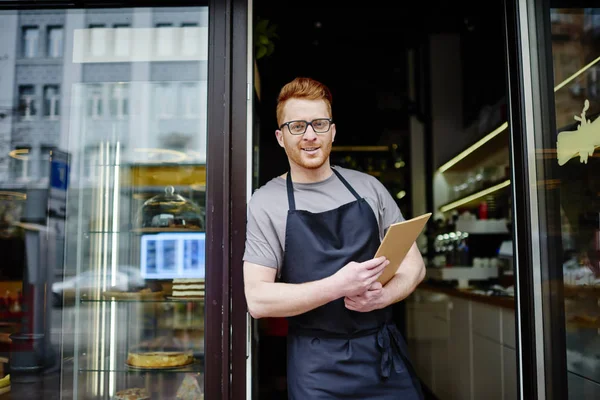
[(398, 89)]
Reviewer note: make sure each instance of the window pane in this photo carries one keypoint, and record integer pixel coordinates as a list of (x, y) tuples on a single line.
[(27, 102), (55, 41), (98, 40), (30, 41), (119, 100), (570, 185), (52, 101), (165, 39), (103, 117), (122, 38)]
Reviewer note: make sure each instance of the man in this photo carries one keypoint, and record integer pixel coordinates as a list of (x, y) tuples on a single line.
[(311, 238)]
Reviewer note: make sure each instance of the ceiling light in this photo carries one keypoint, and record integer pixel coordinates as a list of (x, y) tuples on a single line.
[(474, 196)]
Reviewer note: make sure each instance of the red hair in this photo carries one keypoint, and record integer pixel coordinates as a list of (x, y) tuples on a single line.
[(303, 88)]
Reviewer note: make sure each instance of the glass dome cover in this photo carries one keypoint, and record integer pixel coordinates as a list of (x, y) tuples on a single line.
[(170, 211)]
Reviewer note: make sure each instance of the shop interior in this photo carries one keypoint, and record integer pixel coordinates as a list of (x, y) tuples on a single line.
[(412, 90)]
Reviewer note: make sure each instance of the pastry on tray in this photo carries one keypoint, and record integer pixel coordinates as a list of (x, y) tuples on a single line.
[(190, 389), (136, 294), (188, 288), (132, 394), (160, 359)]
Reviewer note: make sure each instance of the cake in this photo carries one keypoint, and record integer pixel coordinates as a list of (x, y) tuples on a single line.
[(188, 287), (132, 394), (189, 389), (160, 359)]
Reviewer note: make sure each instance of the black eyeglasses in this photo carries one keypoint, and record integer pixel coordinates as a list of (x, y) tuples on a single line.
[(320, 125)]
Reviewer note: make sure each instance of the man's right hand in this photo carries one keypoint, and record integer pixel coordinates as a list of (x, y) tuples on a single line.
[(356, 278)]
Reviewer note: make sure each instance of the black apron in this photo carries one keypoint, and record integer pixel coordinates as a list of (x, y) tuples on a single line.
[(333, 352)]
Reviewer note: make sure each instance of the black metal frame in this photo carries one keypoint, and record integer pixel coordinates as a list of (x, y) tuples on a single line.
[(525, 327), (241, 93), (225, 375), (554, 363)]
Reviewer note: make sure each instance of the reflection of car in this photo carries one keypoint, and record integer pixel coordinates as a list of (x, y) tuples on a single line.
[(126, 278)]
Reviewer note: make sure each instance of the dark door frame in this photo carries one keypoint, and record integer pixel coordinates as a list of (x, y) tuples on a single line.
[(541, 350)]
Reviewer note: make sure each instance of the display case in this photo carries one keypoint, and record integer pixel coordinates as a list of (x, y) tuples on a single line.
[(133, 291)]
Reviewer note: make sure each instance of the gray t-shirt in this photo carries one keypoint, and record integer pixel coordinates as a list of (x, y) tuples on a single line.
[(268, 208)]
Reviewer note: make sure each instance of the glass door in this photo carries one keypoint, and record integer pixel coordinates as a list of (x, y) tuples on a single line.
[(555, 107), (116, 141)]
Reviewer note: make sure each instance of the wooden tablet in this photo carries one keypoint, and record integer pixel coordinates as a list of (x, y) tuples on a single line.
[(397, 242)]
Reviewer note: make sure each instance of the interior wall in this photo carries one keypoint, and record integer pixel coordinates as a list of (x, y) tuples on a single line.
[(446, 97)]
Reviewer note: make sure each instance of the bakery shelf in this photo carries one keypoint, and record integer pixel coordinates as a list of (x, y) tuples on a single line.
[(173, 300), (474, 199), (197, 367)]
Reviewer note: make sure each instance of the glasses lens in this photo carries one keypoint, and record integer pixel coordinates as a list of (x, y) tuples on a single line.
[(297, 127), (321, 125)]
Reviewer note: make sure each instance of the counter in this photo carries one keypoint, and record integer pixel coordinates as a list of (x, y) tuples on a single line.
[(499, 301), (462, 344)]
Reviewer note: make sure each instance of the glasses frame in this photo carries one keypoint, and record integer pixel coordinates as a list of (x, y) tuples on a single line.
[(307, 125)]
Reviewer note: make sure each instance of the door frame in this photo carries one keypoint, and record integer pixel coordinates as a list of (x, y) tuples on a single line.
[(226, 179), (540, 320)]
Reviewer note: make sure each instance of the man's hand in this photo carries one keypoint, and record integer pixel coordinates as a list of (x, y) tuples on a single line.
[(370, 300), (356, 278)]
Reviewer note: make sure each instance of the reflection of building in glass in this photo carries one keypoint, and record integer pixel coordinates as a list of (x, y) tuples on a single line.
[(574, 35), (81, 82)]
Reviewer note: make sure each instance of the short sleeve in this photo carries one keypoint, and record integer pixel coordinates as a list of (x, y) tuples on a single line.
[(389, 212), (262, 244)]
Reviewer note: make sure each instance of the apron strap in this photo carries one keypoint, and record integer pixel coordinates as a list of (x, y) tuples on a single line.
[(290, 188), (290, 191), (345, 182)]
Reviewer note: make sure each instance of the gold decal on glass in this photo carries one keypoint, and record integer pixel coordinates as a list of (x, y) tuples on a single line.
[(583, 141)]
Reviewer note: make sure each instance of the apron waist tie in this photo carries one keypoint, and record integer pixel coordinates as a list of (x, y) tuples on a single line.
[(389, 340)]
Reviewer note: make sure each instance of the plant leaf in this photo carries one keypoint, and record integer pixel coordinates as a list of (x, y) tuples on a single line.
[(261, 52), (262, 39), (270, 48), (261, 26)]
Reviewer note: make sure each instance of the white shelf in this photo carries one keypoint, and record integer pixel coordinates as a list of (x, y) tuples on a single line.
[(483, 226), (462, 274)]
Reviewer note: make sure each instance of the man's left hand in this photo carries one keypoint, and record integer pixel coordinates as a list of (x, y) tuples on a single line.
[(372, 299)]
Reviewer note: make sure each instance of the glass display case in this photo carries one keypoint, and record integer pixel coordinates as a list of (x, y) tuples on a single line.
[(134, 102)]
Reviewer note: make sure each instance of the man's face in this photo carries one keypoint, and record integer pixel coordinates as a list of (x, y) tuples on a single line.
[(309, 150)]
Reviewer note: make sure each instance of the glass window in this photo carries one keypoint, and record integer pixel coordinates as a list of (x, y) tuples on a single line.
[(189, 38), (576, 53), (44, 161), (119, 100), (165, 39), (98, 39), (55, 41), (567, 173), (190, 97), (20, 162), (30, 41), (52, 101), (122, 40), (107, 146), (165, 99), (95, 101), (27, 102)]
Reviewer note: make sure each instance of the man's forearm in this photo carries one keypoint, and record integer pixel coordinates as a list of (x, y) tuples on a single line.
[(410, 274), (269, 299), (401, 286)]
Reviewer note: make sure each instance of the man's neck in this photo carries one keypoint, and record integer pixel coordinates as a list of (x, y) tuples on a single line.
[(305, 175)]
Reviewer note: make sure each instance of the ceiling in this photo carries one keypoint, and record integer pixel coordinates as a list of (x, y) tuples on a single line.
[(360, 51)]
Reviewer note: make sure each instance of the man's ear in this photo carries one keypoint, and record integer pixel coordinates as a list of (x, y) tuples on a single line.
[(333, 132), (279, 136)]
